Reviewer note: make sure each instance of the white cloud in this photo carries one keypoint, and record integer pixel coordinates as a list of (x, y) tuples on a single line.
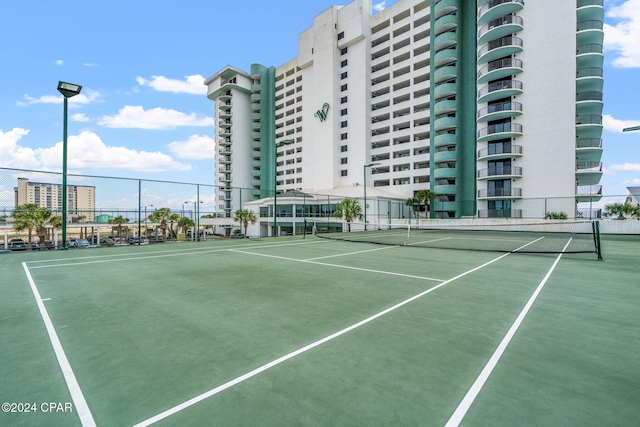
[(84, 98), (136, 117), (635, 167), (87, 151), (192, 84), (616, 125), (13, 155), (623, 36), (379, 6), (89, 64), (80, 117), (196, 148), (632, 182), (60, 62)]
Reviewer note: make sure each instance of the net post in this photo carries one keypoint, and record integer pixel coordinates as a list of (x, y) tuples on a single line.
[(596, 236)]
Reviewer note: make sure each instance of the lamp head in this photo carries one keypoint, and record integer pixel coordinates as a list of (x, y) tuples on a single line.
[(69, 89)]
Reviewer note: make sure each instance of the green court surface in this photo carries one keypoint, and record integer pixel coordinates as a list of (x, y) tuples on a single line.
[(313, 332)]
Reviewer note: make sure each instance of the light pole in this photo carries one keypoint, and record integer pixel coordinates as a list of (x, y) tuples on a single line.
[(275, 181), (67, 90), (364, 175), (195, 212), (630, 129)]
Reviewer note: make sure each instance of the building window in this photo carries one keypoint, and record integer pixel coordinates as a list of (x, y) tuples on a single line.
[(343, 88), (343, 51), (343, 148), (343, 75), (343, 100), (343, 112), (343, 161), (343, 136), (341, 35), (343, 173), (343, 63), (343, 124)]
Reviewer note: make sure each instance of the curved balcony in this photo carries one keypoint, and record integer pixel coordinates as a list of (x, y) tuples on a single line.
[(589, 125), (588, 150), (500, 193), (445, 139), (225, 114), (444, 40), (502, 110), (255, 107), (500, 213), (445, 123), (225, 123), (590, 31), (506, 46), (589, 193), (445, 7), (500, 89), (446, 23), (225, 96), (444, 173), (255, 97), (225, 105), (225, 132), (588, 173), (499, 69), (589, 96), (256, 88), (256, 135), (589, 79), (446, 189), (487, 154), (500, 131), (445, 73), (590, 9), (445, 156), (503, 172), (224, 142), (496, 8), (499, 28), (445, 90), (445, 56), (445, 106)]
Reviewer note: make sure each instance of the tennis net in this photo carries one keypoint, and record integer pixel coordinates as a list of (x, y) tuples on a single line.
[(521, 237)]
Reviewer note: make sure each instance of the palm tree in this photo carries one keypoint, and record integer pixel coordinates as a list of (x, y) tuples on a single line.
[(245, 217), (426, 197), (26, 217), (162, 215), (185, 223), (349, 208), (620, 209), (414, 202), (119, 220)]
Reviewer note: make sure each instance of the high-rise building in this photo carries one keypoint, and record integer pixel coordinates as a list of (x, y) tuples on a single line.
[(494, 105), (81, 199)]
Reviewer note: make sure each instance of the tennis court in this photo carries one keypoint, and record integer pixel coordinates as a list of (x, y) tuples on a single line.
[(297, 331)]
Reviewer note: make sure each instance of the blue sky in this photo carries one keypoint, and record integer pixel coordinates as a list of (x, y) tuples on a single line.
[(143, 110)]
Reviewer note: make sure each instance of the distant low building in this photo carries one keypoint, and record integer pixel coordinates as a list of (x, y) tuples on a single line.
[(81, 199)]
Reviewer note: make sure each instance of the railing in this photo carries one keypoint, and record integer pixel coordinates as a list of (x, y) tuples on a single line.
[(589, 72), (503, 171), (589, 119), (498, 64), (500, 213), (509, 19), (515, 149), (500, 128), (592, 24), (496, 44), (503, 106), (589, 48), (500, 85), (590, 95), (494, 3), (589, 189), (589, 143), (500, 192), (584, 3), (589, 166)]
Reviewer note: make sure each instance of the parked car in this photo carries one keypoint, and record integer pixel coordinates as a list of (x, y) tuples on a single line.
[(135, 241), (107, 241), (82, 244), (48, 244), (17, 244), (72, 242)]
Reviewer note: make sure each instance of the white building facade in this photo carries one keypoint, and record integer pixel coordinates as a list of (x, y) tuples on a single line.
[(494, 105)]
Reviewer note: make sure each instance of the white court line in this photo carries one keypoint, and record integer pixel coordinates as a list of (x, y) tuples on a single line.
[(143, 256), (350, 253), (338, 266), (471, 395), (286, 357), (74, 388)]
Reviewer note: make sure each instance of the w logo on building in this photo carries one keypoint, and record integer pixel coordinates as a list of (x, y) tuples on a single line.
[(322, 114)]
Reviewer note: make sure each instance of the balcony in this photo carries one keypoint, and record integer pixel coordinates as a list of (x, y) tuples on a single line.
[(499, 111), (499, 69), (445, 90), (499, 131), (590, 9), (589, 55), (500, 89), (446, 23), (446, 189), (225, 151), (445, 156), (499, 28), (486, 154), (501, 193), (445, 56), (506, 46), (447, 72), (500, 213), (590, 31), (589, 193), (589, 125), (225, 105), (225, 132), (446, 7), (588, 173), (445, 106), (445, 40), (498, 8), (225, 123), (504, 171), (227, 169), (224, 142), (445, 139), (445, 123), (446, 172)]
